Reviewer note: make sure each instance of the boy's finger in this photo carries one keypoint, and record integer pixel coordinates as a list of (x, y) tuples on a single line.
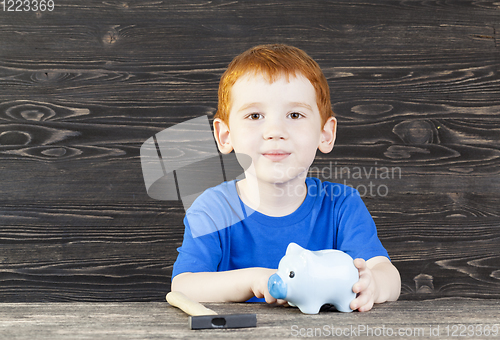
[(366, 307), (362, 284), (359, 263), (270, 299), (356, 288), (354, 304), (359, 302)]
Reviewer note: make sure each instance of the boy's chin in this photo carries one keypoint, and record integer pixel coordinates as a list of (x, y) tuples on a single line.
[(279, 182), (277, 175)]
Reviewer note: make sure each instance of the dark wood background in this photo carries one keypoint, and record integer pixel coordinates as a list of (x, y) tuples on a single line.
[(415, 86)]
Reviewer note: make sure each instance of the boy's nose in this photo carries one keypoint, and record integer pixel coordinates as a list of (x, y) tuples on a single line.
[(275, 130)]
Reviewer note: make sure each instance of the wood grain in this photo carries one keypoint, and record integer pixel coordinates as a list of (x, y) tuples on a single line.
[(414, 86), (158, 320)]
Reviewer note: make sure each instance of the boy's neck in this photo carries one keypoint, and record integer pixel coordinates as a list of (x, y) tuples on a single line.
[(272, 199)]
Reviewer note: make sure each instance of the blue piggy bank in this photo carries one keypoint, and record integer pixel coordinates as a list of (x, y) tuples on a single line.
[(309, 279)]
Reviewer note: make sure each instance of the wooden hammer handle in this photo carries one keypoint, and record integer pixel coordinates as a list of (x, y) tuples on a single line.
[(193, 308)]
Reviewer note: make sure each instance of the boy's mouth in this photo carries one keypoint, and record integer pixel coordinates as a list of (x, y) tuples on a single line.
[(276, 155)]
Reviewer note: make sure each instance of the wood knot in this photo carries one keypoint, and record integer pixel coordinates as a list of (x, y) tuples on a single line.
[(372, 109), (38, 112), (416, 132), (54, 152), (48, 76), (424, 284), (14, 138), (110, 37), (30, 112)]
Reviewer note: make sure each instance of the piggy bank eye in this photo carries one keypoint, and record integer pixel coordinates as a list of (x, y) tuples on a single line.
[(292, 274)]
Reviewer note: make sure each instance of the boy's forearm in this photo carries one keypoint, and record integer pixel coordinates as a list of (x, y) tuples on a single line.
[(226, 286), (388, 282)]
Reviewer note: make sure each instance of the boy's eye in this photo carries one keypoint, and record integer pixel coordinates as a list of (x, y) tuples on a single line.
[(295, 115), (254, 116)]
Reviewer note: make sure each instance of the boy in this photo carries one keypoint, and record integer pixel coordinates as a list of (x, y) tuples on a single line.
[(275, 112)]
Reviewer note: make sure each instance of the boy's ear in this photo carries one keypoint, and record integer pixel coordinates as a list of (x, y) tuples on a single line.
[(328, 135), (221, 133)]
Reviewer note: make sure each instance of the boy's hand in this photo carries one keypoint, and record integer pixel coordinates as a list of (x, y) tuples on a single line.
[(259, 285), (365, 288)]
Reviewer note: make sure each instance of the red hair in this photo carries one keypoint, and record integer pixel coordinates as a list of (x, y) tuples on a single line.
[(274, 61)]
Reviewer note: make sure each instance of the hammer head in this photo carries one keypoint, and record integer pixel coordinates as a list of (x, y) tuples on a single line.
[(223, 321)]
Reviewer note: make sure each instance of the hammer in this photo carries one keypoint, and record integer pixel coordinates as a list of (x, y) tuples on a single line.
[(202, 318)]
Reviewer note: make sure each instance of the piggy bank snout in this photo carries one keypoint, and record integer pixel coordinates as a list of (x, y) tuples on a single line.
[(277, 288)]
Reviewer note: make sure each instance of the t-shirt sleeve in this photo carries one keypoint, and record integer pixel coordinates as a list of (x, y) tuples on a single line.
[(357, 233), (210, 214), (198, 253)]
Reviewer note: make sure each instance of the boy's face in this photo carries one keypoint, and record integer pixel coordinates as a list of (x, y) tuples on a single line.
[(277, 124)]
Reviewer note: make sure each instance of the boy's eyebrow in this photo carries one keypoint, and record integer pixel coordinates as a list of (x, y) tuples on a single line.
[(292, 104), (299, 104), (247, 106)]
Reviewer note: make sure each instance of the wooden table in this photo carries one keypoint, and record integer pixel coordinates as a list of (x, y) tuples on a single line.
[(431, 319)]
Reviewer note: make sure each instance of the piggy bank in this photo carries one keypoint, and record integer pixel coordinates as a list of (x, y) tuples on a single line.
[(309, 279)]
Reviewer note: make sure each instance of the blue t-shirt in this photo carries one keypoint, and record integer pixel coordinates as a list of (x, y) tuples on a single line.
[(222, 233)]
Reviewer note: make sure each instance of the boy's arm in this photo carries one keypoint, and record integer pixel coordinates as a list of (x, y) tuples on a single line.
[(227, 286), (379, 281)]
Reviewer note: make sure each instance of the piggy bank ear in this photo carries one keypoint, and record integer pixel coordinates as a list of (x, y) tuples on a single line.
[(293, 249)]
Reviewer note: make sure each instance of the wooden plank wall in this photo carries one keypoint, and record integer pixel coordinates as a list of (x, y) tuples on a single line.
[(415, 87)]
